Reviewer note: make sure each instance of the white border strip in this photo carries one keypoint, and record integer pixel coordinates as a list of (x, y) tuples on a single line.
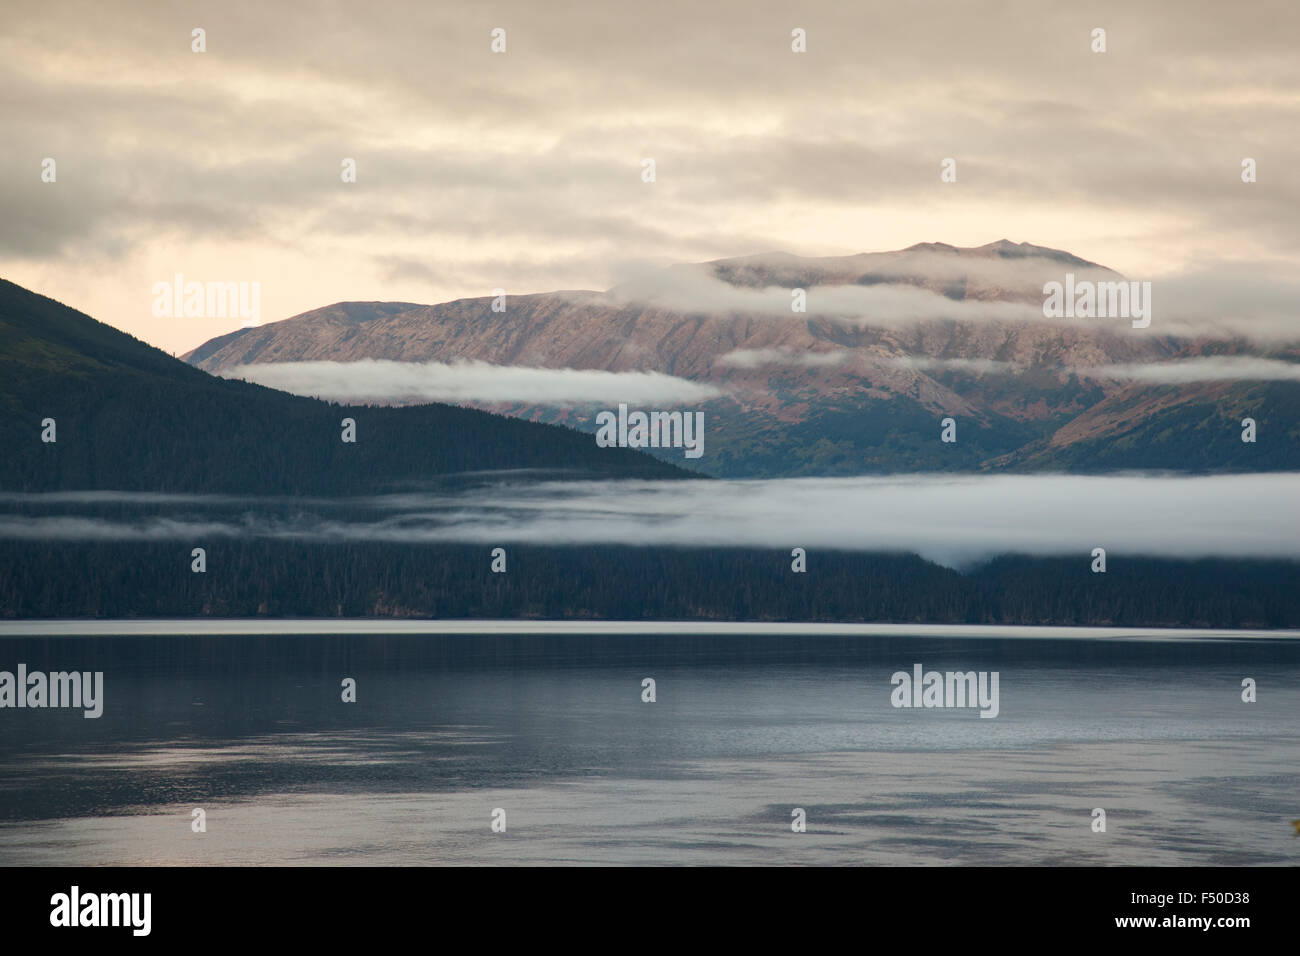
[(184, 627)]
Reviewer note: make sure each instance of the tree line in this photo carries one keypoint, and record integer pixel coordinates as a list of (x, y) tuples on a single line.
[(286, 578)]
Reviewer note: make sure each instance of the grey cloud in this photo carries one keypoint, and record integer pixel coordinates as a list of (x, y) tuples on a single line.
[(1259, 300), (1225, 299), (77, 528)]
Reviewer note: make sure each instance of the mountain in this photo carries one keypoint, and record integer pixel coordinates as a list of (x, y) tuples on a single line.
[(130, 417), (948, 332)]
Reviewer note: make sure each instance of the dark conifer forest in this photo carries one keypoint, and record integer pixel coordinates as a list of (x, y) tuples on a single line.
[(129, 417), (262, 578)]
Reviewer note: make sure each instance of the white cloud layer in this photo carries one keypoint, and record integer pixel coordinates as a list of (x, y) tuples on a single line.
[(761, 358), (972, 366), (694, 291), (1210, 368), (955, 520), (380, 381)]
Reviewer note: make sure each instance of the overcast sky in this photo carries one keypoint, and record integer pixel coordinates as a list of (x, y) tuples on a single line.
[(522, 170)]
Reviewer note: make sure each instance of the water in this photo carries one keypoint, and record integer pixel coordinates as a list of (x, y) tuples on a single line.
[(550, 727)]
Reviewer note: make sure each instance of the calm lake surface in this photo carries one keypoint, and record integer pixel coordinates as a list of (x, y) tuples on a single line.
[(748, 725)]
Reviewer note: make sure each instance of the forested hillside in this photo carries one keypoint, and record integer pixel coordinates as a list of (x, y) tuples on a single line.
[(129, 416)]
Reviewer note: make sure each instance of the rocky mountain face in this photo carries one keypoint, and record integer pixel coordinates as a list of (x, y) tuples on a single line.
[(888, 345)]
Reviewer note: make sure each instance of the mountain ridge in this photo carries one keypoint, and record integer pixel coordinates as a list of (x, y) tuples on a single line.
[(945, 331)]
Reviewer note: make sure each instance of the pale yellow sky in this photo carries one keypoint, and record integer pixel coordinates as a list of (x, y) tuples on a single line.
[(522, 170)]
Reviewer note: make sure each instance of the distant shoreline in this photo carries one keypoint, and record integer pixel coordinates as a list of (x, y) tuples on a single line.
[(191, 627)]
